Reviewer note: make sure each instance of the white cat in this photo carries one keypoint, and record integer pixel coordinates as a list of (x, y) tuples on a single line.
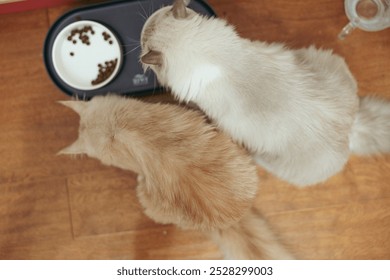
[(297, 111)]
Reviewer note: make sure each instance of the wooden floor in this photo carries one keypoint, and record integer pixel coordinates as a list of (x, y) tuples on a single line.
[(60, 208)]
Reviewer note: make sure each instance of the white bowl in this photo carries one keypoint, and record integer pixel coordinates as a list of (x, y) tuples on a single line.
[(86, 55)]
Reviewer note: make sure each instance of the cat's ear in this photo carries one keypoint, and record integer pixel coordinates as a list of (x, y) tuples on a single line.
[(152, 58), (77, 106), (76, 148), (179, 9)]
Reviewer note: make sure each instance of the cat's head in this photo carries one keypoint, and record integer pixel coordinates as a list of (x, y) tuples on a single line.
[(96, 129), (182, 49), (174, 42), (161, 30)]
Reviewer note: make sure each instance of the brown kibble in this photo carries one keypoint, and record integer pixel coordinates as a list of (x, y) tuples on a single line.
[(71, 53), (82, 34), (105, 71), (110, 42), (106, 36)]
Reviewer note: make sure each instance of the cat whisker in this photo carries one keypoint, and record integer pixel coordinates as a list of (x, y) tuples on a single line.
[(130, 45), (144, 17), (145, 14), (149, 73), (78, 97), (133, 49), (154, 84), (132, 40), (151, 8)]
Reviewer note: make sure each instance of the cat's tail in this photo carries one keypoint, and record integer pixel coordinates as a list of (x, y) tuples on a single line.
[(250, 238), (371, 129)]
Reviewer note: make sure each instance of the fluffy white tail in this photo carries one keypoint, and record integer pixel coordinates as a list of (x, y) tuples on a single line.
[(371, 129), (251, 238)]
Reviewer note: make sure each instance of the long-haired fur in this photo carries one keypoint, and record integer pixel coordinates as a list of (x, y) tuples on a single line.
[(189, 174), (297, 111)]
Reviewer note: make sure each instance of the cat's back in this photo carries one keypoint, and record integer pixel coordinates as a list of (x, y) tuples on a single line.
[(171, 133), (204, 179), (326, 67), (180, 132)]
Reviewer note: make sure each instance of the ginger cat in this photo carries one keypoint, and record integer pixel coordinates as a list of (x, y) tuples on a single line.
[(189, 174)]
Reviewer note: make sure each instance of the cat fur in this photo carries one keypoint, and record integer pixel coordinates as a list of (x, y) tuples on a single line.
[(296, 111), (189, 174)]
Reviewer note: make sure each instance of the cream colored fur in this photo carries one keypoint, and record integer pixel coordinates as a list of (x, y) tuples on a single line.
[(189, 174), (297, 111)]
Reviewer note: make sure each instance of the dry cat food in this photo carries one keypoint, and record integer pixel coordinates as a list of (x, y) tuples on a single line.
[(105, 71), (83, 34), (86, 55), (107, 37)]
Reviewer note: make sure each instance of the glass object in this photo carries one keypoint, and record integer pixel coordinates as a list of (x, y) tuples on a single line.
[(368, 15)]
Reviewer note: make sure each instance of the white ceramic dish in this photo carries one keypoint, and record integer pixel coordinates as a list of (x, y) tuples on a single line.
[(86, 55)]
